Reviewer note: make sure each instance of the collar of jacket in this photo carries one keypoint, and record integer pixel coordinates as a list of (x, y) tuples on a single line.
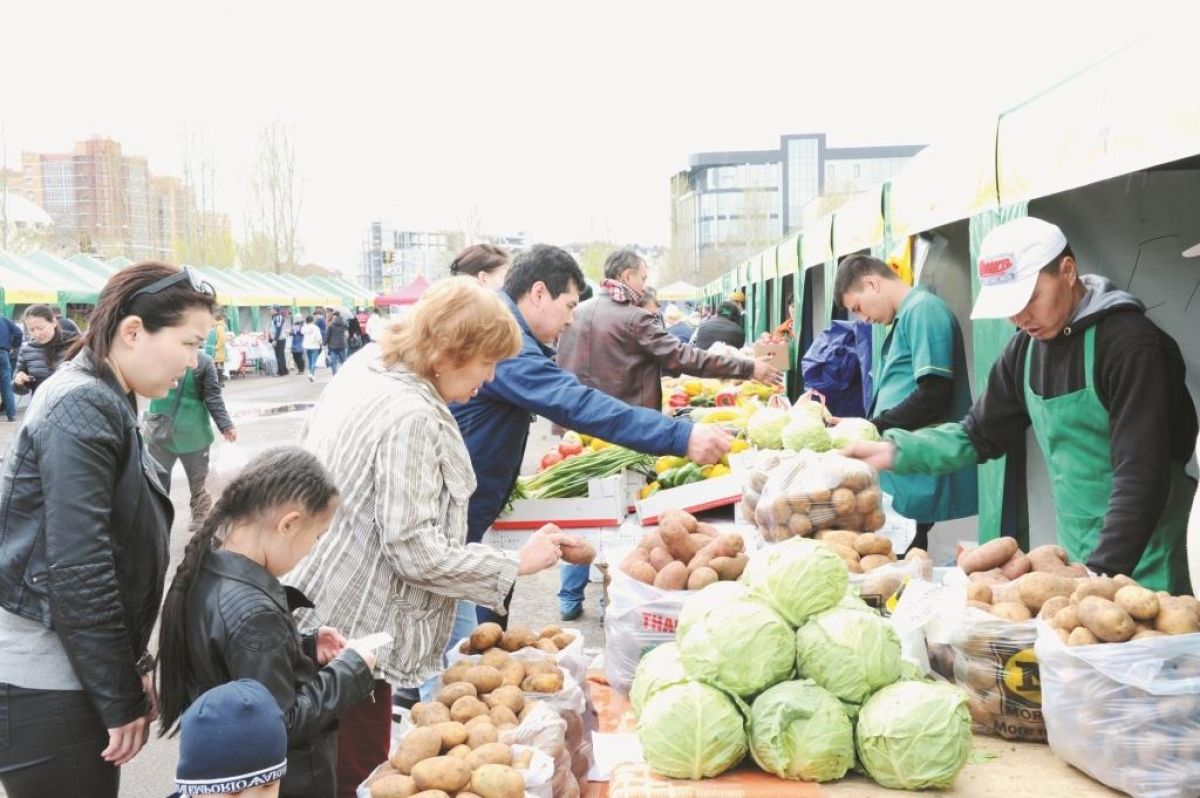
[(547, 350), (242, 569), (98, 368)]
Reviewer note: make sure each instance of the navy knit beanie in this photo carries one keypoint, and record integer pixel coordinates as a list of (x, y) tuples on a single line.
[(231, 738)]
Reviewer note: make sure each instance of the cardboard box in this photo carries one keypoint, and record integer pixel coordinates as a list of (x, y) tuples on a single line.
[(696, 497), (605, 505), (780, 355)]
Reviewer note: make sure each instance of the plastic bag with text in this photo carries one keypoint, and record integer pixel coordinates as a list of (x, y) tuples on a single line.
[(639, 619)]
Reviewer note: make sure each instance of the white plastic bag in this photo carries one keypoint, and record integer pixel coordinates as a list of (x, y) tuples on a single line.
[(539, 776), (638, 619), (225, 461), (1127, 714)]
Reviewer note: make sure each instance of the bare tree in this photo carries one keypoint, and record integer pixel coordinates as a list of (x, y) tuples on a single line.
[(277, 195)]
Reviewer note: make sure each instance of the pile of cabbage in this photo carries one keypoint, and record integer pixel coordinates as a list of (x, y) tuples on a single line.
[(790, 667)]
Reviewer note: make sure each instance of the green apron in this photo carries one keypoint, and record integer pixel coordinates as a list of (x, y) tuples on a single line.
[(1073, 432)]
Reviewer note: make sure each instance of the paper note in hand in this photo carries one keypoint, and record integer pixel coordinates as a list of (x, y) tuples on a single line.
[(372, 642)]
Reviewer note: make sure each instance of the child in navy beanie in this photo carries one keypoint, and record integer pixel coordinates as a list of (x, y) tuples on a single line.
[(232, 742)]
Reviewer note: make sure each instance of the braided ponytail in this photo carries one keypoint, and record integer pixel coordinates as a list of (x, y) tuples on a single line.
[(274, 478)]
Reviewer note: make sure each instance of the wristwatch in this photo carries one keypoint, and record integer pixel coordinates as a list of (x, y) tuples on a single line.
[(146, 663)]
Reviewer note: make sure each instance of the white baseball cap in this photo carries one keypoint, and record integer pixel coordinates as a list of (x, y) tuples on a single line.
[(1009, 261)]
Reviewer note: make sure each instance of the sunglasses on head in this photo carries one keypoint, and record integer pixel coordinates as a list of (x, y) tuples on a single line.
[(186, 273)]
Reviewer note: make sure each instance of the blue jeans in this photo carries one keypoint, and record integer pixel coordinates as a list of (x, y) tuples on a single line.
[(10, 400), (312, 354), (464, 624), (573, 579), (336, 358)]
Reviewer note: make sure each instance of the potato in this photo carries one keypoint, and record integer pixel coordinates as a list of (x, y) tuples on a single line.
[(516, 638), (477, 721), (581, 553), (1122, 581), (1052, 605), (523, 760), (867, 501), (429, 713), (386, 769), (660, 558), (452, 692), (431, 794), (702, 578), (1101, 586), (482, 734), (978, 591), (874, 521), (1063, 635), (799, 526), (464, 794), (684, 519), (1006, 591), (916, 553), (1067, 618), (1106, 620), (729, 545), (546, 646), (673, 577), (497, 781), (729, 569), (393, 786), (1053, 559), (870, 543), (485, 636), (507, 696), (842, 536), (1142, 634), (1176, 618), (455, 672), (562, 640), (1017, 566), (543, 683), (490, 754), (534, 667), (650, 540), (678, 540), (503, 716), (453, 733), (420, 743), (466, 708), (706, 529), (992, 576), (1191, 602), (979, 605), (513, 673), (493, 657), (853, 566), (843, 501), (845, 552), (448, 773), (872, 561), (1140, 603), (1011, 611), (989, 555), (1081, 637), (1035, 588)]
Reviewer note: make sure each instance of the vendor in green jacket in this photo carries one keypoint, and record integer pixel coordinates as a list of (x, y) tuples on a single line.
[(191, 403), (1103, 388), (922, 380)]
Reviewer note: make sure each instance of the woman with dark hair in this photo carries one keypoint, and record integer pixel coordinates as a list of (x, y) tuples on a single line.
[(487, 263), (85, 522), (42, 354)]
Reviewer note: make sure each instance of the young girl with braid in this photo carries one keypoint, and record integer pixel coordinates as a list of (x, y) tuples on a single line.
[(227, 617)]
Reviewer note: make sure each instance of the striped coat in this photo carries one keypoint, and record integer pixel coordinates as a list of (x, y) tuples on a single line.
[(394, 559)]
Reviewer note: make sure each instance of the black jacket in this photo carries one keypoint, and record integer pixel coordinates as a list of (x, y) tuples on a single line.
[(35, 358), (1139, 380), (84, 527), (239, 626), (335, 334), (719, 328)]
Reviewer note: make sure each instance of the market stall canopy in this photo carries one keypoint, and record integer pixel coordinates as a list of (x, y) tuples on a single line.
[(19, 283), (74, 284), (408, 295), (678, 290), (119, 262), (99, 268)]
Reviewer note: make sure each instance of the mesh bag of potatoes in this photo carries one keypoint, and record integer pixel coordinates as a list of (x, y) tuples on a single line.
[(765, 462), (1126, 713), (813, 492)]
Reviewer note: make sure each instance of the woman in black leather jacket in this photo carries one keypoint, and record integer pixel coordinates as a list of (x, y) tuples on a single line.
[(227, 617), (84, 526)]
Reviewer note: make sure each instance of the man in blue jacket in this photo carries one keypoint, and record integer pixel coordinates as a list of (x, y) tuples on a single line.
[(542, 290)]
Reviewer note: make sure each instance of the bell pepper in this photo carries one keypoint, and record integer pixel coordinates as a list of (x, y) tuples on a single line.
[(739, 445), (718, 470), (666, 480), (701, 401), (692, 387), (725, 399), (679, 399), (598, 444), (649, 490), (685, 475), (667, 462), (550, 458)]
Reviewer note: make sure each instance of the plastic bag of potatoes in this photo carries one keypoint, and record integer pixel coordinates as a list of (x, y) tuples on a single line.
[(1127, 714), (430, 758), (813, 492)]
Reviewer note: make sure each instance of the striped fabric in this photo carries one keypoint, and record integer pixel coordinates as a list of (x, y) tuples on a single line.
[(394, 559)]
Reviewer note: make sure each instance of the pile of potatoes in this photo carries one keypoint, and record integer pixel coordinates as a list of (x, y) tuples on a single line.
[(863, 552), (455, 749), (797, 498), (1118, 609), (489, 636), (683, 554)]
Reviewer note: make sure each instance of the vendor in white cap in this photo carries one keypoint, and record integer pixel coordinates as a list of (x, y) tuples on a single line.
[(1103, 388)]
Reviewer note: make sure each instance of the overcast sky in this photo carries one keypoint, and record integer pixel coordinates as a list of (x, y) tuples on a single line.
[(556, 118)]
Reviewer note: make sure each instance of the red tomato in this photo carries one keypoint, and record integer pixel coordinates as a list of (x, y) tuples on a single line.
[(550, 458), (570, 448)]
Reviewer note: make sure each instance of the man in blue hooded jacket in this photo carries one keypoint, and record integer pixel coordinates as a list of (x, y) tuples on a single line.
[(542, 290)]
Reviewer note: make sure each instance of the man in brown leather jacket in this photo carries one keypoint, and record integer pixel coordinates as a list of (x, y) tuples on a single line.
[(617, 347)]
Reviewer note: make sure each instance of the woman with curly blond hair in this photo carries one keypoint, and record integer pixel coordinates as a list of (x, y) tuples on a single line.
[(395, 557)]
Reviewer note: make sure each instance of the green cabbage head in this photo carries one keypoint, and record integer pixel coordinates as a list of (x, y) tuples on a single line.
[(800, 731), (849, 430), (700, 602), (806, 432), (798, 578), (915, 735), (691, 731), (741, 646), (849, 652), (658, 669), (766, 426), (811, 409)]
